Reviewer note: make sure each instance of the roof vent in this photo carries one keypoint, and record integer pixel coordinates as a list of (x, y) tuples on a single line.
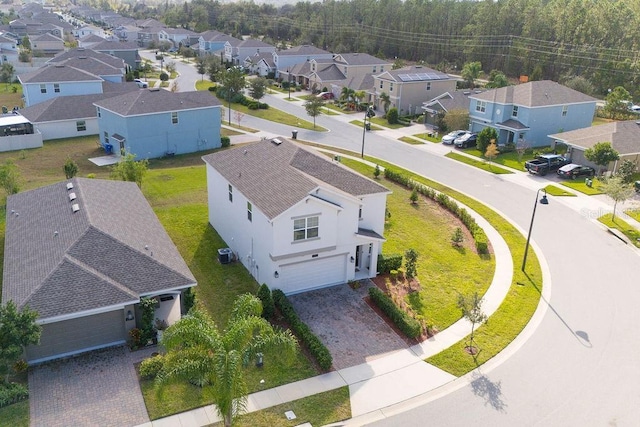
[(82, 57), (154, 89), (466, 92), (75, 208), (72, 196), (70, 186), (276, 141)]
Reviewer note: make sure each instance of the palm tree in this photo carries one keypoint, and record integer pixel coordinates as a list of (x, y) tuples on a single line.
[(347, 94), (198, 350), (386, 101), (470, 72), (359, 96)]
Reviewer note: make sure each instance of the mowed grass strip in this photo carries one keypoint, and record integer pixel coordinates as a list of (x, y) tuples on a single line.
[(410, 140), (552, 190), (621, 225), (581, 186), (480, 164)]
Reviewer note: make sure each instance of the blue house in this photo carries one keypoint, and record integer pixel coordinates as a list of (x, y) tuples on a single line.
[(155, 123), (530, 112)]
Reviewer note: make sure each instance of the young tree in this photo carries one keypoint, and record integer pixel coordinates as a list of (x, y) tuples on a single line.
[(580, 84), (257, 88), (617, 103), (457, 238), (470, 72), (232, 82), (213, 69), (238, 115), (6, 72), (197, 348), (497, 79), (617, 190), (170, 67), (70, 168), (128, 169), (471, 308), (626, 171), (457, 119), (201, 66), (18, 329), (602, 153), (521, 147), (386, 101), (9, 177), (491, 152), (413, 198), (174, 86), (376, 172), (398, 63), (314, 105), (26, 43), (484, 138), (411, 263)]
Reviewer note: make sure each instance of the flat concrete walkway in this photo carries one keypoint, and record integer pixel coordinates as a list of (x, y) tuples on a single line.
[(96, 389), (381, 382)]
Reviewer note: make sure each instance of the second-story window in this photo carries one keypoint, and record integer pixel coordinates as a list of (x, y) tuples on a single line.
[(381, 83), (428, 85), (481, 106), (56, 88), (174, 117), (390, 87), (564, 110), (230, 193), (374, 69), (43, 88), (514, 113), (249, 211)]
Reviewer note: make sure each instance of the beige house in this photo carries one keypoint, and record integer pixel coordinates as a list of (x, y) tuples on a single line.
[(47, 44), (352, 70), (409, 87), (623, 136)]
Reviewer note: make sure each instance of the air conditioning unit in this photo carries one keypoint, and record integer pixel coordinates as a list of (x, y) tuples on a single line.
[(225, 255)]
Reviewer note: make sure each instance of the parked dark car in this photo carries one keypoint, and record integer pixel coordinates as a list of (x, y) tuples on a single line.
[(574, 171), (465, 141)]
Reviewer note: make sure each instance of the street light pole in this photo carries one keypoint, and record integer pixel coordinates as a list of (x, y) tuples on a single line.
[(367, 115), (543, 201), (289, 81)]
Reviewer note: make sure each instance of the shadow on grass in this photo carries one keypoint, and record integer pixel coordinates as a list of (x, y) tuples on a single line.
[(581, 336), (489, 390)]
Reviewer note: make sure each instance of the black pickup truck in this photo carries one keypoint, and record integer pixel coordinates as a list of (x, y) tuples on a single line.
[(542, 165)]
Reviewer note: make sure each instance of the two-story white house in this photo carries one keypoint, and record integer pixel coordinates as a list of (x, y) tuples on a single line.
[(294, 218)]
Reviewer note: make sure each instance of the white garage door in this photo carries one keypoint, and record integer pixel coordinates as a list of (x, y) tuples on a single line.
[(313, 274)]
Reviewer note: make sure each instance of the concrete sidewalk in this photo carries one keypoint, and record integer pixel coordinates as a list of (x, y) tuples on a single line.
[(382, 382)]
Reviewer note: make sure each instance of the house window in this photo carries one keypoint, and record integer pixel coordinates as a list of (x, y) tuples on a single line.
[(98, 111), (106, 138), (564, 110), (43, 88), (481, 106), (360, 213), (428, 85), (305, 228), (56, 88), (174, 117), (514, 113), (381, 84), (249, 213), (230, 193), (374, 68), (390, 87), (381, 68), (81, 125)]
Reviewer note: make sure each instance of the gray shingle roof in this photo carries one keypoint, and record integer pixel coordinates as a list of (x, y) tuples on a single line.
[(112, 45), (112, 251), (276, 177), (303, 50), (361, 59), (623, 136), (89, 53), (58, 73), (330, 73), (151, 101), (46, 37), (535, 94), (91, 65)]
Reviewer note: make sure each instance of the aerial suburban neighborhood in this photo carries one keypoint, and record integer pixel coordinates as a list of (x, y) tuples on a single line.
[(318, 213)]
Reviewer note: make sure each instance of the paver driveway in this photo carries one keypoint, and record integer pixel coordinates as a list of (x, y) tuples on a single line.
[(343, 321), (96, 389)]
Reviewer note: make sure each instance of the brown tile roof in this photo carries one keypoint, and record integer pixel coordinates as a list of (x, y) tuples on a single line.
[(276, 177)]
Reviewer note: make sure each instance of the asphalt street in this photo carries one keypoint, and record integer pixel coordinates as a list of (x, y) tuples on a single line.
[(581, 364)]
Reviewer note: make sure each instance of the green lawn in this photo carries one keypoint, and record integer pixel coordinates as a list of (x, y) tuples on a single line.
[(204, 84), (426, 137), (552, 190), (383, 122), (318, 410), (16, 415), (360, 124), (579, 185), (517, 308), (410, 140), (480, 164), (619, 224), (505, 159), (633, 213)]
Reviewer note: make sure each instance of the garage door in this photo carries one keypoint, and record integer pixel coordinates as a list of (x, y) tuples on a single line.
[(316, 273), (77, 335)]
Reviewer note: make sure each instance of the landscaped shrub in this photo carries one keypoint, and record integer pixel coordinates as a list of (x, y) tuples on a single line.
[(318, 350), (263, 105), (268, 308), (212, 88), (225, 141), (407, 324), (387, 263), (189, 299), (150, 367), (392, 116), (164, 77), (478, 234), (11, 393)]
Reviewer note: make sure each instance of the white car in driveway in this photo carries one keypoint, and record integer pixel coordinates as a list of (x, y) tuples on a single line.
[(451, 136), (141, 84)]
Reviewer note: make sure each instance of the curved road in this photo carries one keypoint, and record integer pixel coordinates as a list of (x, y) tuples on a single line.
[(581, 365)]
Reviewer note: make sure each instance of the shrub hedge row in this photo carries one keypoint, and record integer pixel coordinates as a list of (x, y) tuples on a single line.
[(302, 331), (389, 262), (407, 324), (479, 236), (268, 308), (150, 367), (11, 393)]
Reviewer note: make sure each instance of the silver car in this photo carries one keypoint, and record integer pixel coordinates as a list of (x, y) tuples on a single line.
[(451, 136)]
